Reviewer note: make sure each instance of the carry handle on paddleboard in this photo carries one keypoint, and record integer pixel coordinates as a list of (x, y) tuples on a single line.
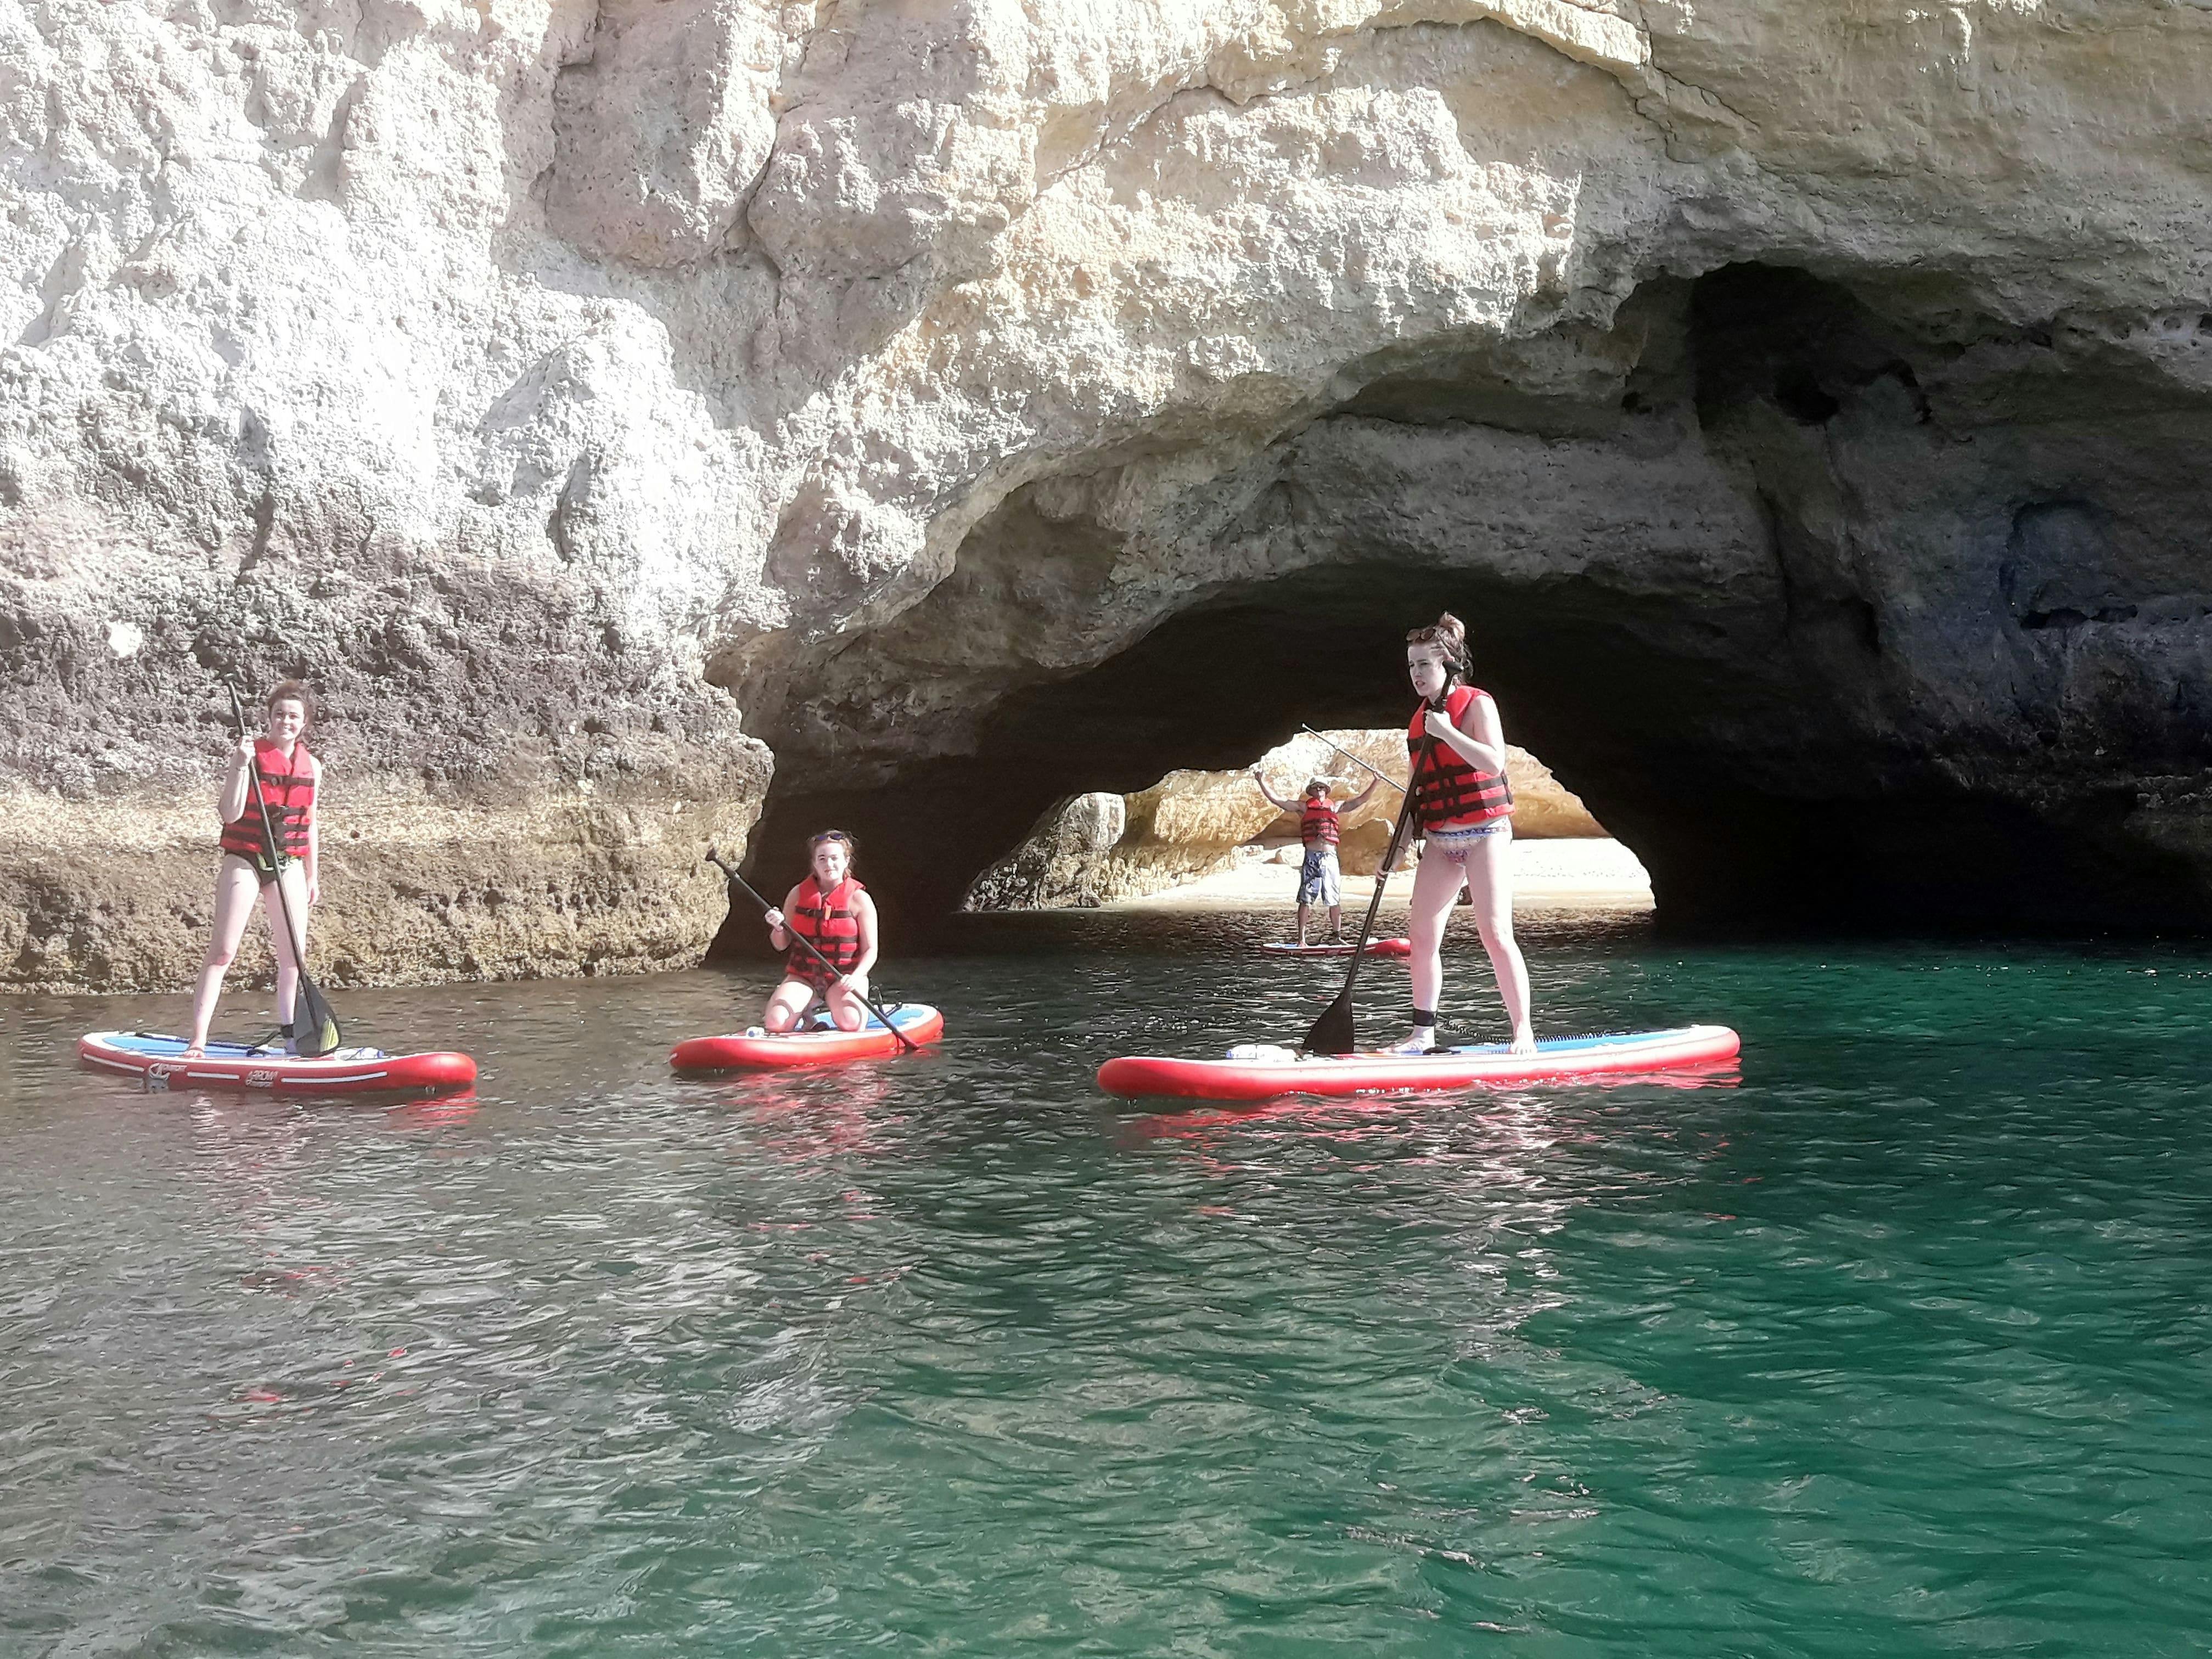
[(323, 1036), (1380, 777), (1333, 1033), (744, 886)]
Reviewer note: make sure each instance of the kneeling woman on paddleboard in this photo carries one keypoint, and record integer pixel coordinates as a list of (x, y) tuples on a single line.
[(289, 778), (1465, 810), (833, 913)]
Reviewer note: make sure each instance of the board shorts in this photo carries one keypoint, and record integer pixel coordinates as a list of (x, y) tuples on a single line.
[(1320, 879), (1457, 842)]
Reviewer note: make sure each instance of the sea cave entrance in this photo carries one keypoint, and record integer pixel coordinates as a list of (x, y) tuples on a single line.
[(1578, 675)]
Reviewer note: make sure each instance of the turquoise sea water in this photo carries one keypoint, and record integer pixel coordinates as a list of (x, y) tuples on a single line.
[(1900, 1343)]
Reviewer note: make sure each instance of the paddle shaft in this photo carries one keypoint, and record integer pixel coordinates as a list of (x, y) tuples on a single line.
[(1339, 1013), (307, 991), (1380, 777), (746, 887)]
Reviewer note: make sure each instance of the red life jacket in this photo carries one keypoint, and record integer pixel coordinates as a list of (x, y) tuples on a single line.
[(1319, 820), (832, 921), (1446, 789), (289, 794)]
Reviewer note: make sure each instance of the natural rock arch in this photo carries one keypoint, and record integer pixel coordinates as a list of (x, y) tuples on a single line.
[(1724, 567)]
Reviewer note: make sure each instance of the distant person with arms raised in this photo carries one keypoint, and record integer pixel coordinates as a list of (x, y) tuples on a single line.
[(1321, 877)]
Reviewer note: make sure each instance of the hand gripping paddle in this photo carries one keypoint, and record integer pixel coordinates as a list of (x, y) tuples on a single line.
[(1333, 1033), (743, 886), (314, 1027)]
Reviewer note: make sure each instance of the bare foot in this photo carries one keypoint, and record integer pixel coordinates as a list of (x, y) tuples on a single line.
[(1524, 1043), (193, 1051)]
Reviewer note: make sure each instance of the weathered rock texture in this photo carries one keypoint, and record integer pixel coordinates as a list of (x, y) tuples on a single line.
[(1803, 402), (1091, 849)]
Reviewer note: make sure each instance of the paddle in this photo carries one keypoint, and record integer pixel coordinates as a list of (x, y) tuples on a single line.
[(1333, 1033), (1380, 777), (314, 1027), (739, 882)]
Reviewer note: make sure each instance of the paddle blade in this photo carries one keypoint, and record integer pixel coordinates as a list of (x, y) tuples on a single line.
[(314, 1027), (1333, 1033)]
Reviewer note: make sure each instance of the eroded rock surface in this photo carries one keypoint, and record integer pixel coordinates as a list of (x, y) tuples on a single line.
[(1091, 849), (990, 403)]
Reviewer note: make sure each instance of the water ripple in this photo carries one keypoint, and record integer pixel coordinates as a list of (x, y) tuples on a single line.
[(1901, 1345)]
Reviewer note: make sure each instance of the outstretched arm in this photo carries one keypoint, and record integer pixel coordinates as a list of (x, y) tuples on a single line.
[(1360, 799), (1279, 805)]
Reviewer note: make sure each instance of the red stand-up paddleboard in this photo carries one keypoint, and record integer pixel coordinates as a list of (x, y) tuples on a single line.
[(814, 1045), (1262, 1073), (158, 1062), (1375, 947)]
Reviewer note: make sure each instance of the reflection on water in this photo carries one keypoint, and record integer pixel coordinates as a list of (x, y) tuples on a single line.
[(1896, 1345)]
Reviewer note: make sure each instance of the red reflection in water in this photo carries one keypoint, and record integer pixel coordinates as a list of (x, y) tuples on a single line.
[(435, 1112), (1353, 1117), (805, 1117)]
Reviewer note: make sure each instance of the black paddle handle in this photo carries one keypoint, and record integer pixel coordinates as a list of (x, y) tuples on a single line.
[(746, 887)]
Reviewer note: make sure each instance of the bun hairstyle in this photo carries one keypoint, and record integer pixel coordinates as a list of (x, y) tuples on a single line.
[(291, 691), (1448, 634)]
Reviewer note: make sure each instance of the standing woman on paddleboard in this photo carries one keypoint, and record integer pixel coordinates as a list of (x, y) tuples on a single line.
[(289, 778), (1465, 810), (834, 913)]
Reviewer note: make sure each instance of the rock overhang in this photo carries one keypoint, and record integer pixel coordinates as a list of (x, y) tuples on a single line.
[(750, 338)]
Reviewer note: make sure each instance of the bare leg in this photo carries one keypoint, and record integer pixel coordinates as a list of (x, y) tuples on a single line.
[(787, 1005), (1490, 881), (846, 1007), (234, 891), (1303, 908), (288, 950), (1435, 884)]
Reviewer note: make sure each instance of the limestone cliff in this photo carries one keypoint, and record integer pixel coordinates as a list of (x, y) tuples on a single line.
[(990, 402)]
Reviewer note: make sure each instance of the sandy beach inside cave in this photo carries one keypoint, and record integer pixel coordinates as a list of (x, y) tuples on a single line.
[(1590, 874)]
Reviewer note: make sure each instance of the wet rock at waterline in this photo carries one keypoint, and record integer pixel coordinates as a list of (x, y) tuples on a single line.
[(986, 405)]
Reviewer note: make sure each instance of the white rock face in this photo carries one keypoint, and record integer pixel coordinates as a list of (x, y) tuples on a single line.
[(560, 382)]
